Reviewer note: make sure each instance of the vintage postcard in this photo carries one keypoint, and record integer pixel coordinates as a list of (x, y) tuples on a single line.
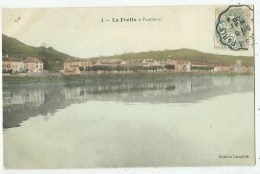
[(112, 87)]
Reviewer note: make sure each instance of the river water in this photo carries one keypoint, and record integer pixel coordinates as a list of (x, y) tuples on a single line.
[(177, 121)]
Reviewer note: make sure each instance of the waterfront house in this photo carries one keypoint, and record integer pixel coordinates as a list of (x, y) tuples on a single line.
[(112, 62), (110, 66), (180, 65), (6, 65), (238, 67), (217, 69), (17, 66), (76, 65), (225, 68), (250, 69), (33, 65), (12, 65), (203, 66)]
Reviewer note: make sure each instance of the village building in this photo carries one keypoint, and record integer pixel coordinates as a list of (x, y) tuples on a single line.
[(33, 65), (180, 65), (203, 66), (112, 62), (79, 66), (12, 65), (110, 66), (221, 68), (225, 68), (116, 62), (76, 66), (6, 66), (238, 67), (250, 69), (98, 63), (152, 65), (216, 69)]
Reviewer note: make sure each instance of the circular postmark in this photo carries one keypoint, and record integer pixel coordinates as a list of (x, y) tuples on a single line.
[(234, 27)]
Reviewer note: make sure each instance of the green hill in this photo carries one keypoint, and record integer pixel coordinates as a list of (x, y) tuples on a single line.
[(183, 54), (52, 59)]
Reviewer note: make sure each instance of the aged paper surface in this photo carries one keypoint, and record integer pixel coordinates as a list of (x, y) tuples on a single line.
[(128, 87)]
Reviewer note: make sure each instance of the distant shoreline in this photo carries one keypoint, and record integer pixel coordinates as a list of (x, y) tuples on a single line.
[(91, 78)]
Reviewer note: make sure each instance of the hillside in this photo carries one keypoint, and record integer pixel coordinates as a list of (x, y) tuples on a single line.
[(183, 54), (52, 59)]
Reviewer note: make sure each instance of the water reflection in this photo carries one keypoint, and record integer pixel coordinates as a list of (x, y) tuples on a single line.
[(23, 102)]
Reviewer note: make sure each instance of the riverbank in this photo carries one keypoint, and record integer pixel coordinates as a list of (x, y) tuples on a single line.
[(92, 78)]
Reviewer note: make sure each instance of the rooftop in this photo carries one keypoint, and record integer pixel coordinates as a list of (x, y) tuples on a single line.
[(11, 59), (76, 60), (32, 59)]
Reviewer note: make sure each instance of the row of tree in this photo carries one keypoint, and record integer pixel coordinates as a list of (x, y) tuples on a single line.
[(202, 68), (10, 71), (126, 68)]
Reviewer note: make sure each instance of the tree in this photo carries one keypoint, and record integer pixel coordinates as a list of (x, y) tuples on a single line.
[(155, 67), (119, 68), (145, 68), (81, 68), (95, 68), (106, 68), (169, 67), (135, 68), (88, 68), (109, 68), (46, 64), (51, 48)]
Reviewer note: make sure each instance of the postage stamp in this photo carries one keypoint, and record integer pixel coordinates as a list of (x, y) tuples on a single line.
[(234, 27)]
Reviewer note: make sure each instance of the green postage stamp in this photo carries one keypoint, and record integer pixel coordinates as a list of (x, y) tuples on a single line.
[(234, 27)]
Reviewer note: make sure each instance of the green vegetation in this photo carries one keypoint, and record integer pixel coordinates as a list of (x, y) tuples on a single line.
[(169, 67), (52, 59), (124, 68), (205, 68)]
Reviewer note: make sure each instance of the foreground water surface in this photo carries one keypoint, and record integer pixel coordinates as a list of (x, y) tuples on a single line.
[(177, 121)]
